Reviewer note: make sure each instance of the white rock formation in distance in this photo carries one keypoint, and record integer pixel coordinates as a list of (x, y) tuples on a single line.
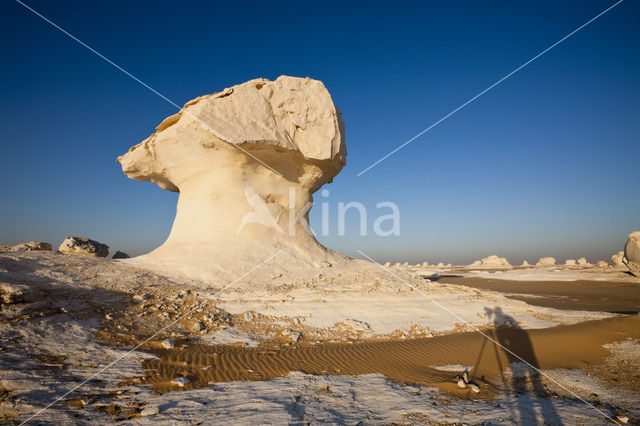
[(632, 253), (246, 162), (492, 261), (525, 263), (546, 261), (570, 262), (618, 259), (583, 262)]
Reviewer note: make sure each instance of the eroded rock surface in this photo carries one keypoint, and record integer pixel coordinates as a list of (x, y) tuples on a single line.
[(632, 253), (246, 162), (84, 247)]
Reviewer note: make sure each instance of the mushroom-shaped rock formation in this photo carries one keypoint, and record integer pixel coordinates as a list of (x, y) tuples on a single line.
[(246, 162), (492, 261), (546, 261), (570, 262), (632, 253)]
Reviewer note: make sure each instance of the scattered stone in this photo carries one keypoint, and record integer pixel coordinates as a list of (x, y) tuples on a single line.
[(180, 381), (84, 247), (168, 343), (632, 253), (120, 255), (32, 245), (13, 293), (492, 261), (197, 326), (461, 383), (623, 419), (150, 410), (474, 387), (546, 261)]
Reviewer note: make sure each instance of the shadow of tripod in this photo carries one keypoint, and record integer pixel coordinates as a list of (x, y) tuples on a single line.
[(508, 338)]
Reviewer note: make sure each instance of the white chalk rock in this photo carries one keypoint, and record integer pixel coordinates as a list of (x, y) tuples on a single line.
[(570, 262), (246, 162), (180, 381), (525, 263), (632, 253), (83, 247), (492, 261), (546, 261), (583, 262), (602, 264), (618, 259), (32, 246)]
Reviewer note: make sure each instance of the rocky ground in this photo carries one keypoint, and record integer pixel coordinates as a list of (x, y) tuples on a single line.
[(77, 331)]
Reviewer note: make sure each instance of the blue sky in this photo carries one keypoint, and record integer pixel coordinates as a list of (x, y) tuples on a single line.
[(544, 164)]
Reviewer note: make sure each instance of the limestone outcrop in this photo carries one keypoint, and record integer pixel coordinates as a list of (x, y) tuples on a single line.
[(618, 259), (30, 246), (546, 261), (570, 262), (583, 262), (84, 247), (246, 162), (632, 253), (492, 261)]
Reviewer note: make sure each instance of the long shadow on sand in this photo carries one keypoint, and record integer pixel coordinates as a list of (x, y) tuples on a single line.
[(532, 403)]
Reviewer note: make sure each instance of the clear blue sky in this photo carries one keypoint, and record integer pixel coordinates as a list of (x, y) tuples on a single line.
[(547, 163)]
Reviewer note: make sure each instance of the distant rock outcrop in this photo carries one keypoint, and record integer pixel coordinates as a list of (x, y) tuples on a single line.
[(583, 262), (602, 264), (632, 253), (492, 261), (30, 246), (546, 261), (84, 247), (570, 262), (618, 259), (525, 263)]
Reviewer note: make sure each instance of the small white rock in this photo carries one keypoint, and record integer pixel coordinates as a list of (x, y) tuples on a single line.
[(461, 383), (168, 343), (150, 410), (474, 387), (180, 381), (623, 419)]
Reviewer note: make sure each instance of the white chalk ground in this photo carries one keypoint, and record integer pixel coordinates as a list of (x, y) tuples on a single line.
[(551, 273), (42, 357)]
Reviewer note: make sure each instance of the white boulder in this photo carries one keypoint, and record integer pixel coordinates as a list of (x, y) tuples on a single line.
[(632, 253), (546, 261), (32, 246), (84, 247)]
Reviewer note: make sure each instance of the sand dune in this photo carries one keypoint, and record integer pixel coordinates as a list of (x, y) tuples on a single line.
[(408, 361)]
